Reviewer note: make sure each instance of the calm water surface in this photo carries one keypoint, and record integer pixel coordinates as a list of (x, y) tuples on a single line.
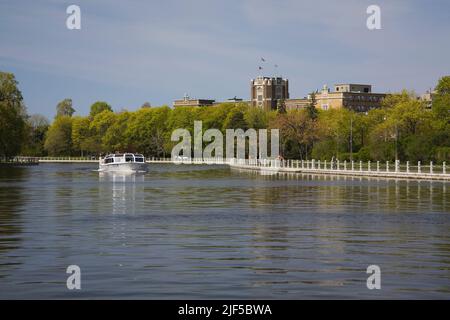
[(213, 232)]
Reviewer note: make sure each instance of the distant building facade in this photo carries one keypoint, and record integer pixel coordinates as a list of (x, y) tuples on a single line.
[(356, 97), (188, 102), (266, 92), (296, 104), (428, 97)]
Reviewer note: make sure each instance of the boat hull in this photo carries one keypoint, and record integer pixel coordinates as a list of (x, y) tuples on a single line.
[(123, 167)]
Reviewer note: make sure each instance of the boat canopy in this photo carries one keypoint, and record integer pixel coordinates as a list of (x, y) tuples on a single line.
[(124, 157)]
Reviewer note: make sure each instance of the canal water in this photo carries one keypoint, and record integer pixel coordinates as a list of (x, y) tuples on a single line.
[(198, 231)]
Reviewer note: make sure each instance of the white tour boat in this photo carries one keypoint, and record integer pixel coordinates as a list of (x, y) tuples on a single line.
[(123, 162)]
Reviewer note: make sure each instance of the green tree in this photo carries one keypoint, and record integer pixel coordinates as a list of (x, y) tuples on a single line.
[(65, 108), (12, 116), (147, 130), (98, 128), (258, 118), (115, 138), (35, 130), (98, 107), (441, 100), (311, 107), (298, 133), (443, 86), (58, 141), (235, 119), (82, 139), (281, 106), (391, 100)]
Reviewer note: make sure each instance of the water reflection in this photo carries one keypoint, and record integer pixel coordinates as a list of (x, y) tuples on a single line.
[(220, 233), (352, 193), (11, 203), (120, 189)]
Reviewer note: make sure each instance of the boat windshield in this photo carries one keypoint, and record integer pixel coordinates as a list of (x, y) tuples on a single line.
[(109, 159)]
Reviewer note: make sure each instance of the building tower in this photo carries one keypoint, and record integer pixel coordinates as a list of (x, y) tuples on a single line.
[(267, 91)]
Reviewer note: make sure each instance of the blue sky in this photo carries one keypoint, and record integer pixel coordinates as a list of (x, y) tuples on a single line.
[(129, 52)]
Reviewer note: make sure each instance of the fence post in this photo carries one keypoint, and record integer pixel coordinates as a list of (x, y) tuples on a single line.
[(387, 166), (325, 164), (368, 165), (431, 166), (396, 165), (353, 165), (378, 166), (443, 167), (345, 165), (303, 164), (418, 167), (407, 166), (360, 165)]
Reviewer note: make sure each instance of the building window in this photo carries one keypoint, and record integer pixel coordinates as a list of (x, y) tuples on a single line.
[(260, 97)]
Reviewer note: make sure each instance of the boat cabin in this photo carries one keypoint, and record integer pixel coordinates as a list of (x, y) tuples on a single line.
[(123, 158)]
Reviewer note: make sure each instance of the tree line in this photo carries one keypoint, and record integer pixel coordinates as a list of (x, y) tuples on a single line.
[(405, 128)]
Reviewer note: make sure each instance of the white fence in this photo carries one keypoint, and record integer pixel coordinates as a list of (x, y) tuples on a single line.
[(381, 169)]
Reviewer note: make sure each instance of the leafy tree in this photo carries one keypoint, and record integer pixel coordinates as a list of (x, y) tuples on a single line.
[(443, 86), (98, 128), (213, 118), (35, 131), (281, 106), (82, 140), (65, 108), (311, 107), (115, 138), (258, 118), (235, 119), (58, 141), (12, 116), (298, 133), (391, 100), (441, 101), (147, 131), (98, 107)]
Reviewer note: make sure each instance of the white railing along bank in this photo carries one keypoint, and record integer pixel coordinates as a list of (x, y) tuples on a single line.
[(352, 168)]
